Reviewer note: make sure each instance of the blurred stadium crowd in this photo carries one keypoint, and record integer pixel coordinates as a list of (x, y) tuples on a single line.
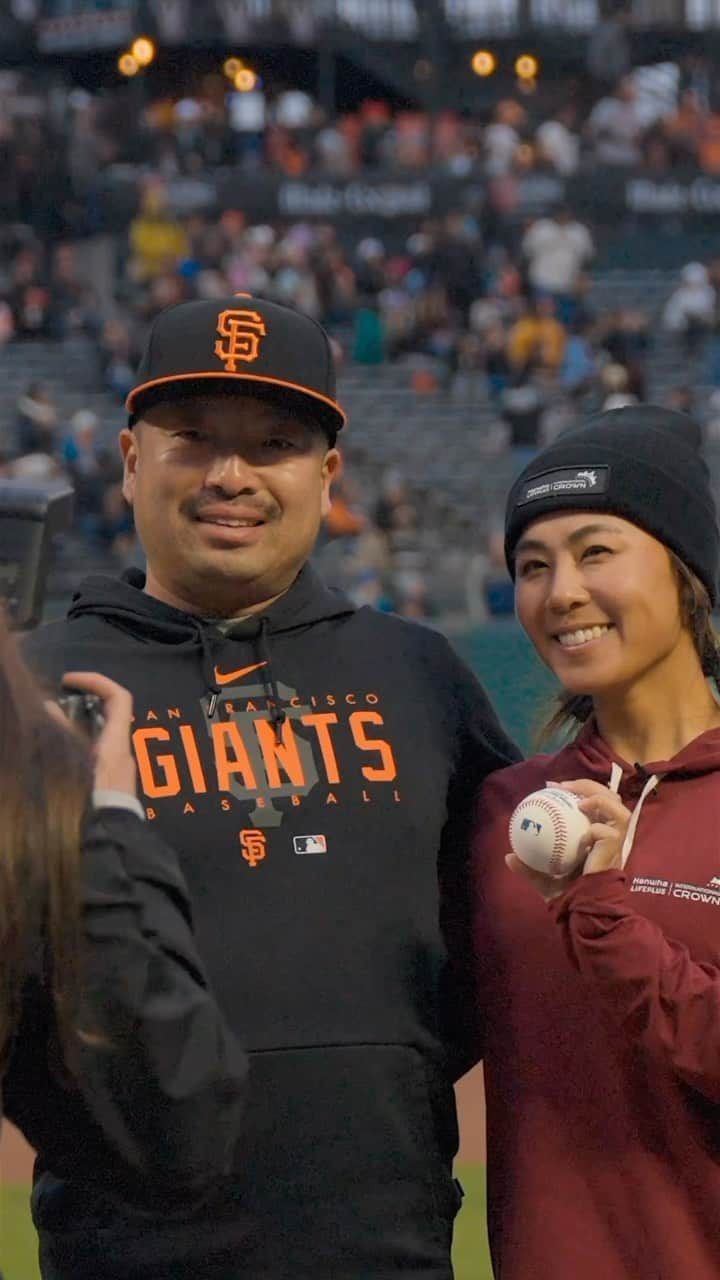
[(462, 345)]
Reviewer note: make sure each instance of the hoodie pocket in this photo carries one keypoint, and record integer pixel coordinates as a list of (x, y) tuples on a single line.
[(342, 1171), (349, 1148)]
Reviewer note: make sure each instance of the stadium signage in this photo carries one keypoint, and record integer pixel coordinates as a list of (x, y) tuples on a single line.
[(599, 195), (647, 195), (87, 28), (379, 199)]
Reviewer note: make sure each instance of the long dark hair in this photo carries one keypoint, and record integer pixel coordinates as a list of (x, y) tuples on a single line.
[(571, 710), (46, 777)]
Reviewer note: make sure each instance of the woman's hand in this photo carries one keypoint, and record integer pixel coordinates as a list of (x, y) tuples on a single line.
[(602, 845), (114, 762), (609, 821)]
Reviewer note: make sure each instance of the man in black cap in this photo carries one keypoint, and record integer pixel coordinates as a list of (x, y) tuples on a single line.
[(315, 766)]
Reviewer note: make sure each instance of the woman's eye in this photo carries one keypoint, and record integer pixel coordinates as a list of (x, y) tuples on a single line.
[(596, 551), (530, 566)]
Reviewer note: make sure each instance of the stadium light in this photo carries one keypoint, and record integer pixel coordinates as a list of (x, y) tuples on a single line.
[(232, 66), (526, 67), (143, 51), (483, 62), (128, 65), (245, 80)]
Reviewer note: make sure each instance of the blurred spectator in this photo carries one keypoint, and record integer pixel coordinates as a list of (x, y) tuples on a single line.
[(369, 341), (455, 262), (393, 494), (502, 137), (708, 148), (560, 415), (537, 339), (90, 468), (294, 109), (690, 308), (557, 249), (370, 267), (158, 240), (29, 293), (579, 363), (683, 128), (615, 126), (36, 422), (522, 408), (468, 380), (558, 142), (615, 386), (626, 340), (496, 358), (116, 357), (408, 560), (345, 519), (608, 48), (333, 151)]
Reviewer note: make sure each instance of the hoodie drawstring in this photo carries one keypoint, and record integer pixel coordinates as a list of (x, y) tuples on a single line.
[(260, 640), (616, 774), (208, 668), (277, 713)]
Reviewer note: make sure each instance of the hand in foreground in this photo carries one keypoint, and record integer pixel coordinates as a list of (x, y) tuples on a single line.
[(603, 843), (113, 760)]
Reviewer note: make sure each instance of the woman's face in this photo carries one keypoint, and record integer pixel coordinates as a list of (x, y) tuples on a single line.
[(599, 599)]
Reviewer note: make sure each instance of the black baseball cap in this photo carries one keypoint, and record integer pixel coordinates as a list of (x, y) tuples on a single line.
[(239, 344)]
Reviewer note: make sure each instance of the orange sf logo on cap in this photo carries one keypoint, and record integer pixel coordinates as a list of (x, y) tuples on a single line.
[(241, 333)]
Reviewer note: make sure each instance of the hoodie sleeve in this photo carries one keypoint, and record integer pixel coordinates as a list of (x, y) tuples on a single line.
[(157, 1067), (662, 998), (482, 747)]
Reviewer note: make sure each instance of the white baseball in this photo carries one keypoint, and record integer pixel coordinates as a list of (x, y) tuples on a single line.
[(546, 829)]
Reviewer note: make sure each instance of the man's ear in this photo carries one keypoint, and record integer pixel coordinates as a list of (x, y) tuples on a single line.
[(129, 449), (330, 470)]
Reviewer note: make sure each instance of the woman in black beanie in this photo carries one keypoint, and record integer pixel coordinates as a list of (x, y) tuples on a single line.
[(602, 991)]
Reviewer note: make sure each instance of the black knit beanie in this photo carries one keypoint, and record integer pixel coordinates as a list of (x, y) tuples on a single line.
[(640, 462)]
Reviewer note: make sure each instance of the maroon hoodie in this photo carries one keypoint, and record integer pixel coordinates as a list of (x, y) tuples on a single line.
[(602, 1016)]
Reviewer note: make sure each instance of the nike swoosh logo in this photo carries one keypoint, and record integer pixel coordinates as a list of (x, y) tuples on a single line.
[(238, 675)]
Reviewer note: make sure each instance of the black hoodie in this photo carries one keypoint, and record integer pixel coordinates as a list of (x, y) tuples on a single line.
[(315, 768)]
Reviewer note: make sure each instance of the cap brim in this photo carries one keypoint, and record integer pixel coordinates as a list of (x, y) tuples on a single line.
[(328, 412)]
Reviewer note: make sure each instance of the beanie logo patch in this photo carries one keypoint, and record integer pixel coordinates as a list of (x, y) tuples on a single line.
[(241, 336), (565, 481)]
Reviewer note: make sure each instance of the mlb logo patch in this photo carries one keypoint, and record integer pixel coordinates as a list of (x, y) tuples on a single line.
[(310, 844)]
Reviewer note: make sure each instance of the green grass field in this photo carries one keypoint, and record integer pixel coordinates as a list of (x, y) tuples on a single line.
[(18, 1244)]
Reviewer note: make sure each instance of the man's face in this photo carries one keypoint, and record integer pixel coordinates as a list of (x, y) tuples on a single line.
[(228, 493)]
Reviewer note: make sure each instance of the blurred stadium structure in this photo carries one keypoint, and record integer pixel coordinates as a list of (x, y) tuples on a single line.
[(504, 211)]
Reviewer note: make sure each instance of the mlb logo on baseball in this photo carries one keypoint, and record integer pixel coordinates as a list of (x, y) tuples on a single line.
[(310, 844), (547, 831)]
